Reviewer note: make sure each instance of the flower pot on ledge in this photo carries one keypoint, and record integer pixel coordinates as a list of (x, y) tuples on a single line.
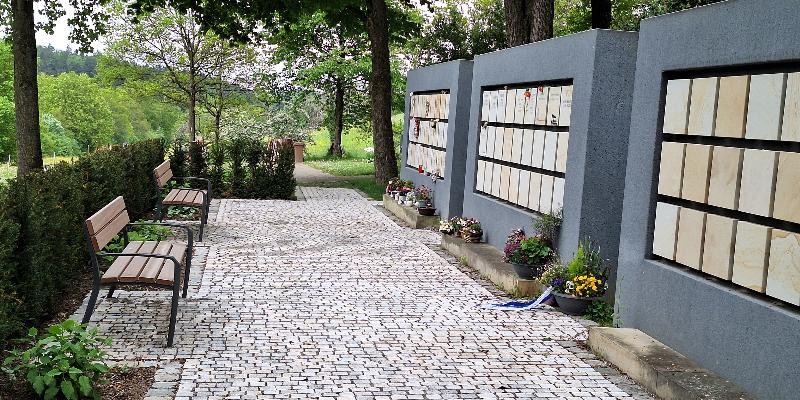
[(426, 211), (525, 271), (573, 305)]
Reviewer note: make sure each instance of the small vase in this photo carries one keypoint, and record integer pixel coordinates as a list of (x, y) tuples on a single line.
[(573, 305), (524, 271)]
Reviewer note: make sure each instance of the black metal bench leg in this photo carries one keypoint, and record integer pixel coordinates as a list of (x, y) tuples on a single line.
[(90, 307), (202, 224), (111, 291), (173, 316), (186, 274)]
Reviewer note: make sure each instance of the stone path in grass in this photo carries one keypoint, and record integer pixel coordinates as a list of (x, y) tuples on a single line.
[(328, 298)]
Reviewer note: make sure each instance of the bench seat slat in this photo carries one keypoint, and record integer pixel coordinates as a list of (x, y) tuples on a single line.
[(154, 265), (118, 266), (134, 268), (160, 271), (185, 197), (167, 275)]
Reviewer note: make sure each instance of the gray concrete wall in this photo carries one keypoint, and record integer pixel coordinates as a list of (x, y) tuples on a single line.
[(742, 336), (600, 64), (455, 76)]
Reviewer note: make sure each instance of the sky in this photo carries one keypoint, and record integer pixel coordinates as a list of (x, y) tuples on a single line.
[(59, 39)]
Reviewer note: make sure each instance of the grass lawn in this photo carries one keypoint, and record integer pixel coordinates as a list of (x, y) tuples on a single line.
[(365, 184), (10, 171), (344, 167)]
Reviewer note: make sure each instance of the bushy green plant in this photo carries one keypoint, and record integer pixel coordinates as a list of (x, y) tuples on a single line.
[(217, 171), (237, 148), (179, 157), (549, 225), (587, 260), (65, 362), (198, 160), (601, 312)]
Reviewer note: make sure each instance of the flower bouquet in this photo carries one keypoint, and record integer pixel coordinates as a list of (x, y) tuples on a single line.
[(446, 227), (471, 230), (580, 281), (526, 254), (422, 194)]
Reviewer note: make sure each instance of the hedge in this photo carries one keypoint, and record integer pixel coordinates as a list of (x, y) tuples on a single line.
[(42, 242)]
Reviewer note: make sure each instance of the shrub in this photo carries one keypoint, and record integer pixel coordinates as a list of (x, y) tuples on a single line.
[(237, 148), (217, 172), (66, 362), (198, 159), (178, 158)]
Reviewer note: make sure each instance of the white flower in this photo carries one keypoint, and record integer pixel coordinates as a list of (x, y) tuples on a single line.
[(369, 150)]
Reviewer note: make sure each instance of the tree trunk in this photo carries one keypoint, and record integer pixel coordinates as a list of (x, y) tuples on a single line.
[(601, 14), (26, 87), (338, 120), (517, 22), (217, 126), (541, 16), (380, 90), (192, 120)]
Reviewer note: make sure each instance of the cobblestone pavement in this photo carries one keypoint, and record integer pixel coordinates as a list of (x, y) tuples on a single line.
[(329, 298)]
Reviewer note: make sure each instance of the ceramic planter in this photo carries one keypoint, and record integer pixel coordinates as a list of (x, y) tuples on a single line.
[(422, 204), (525, 271), (573, 305), (427, 211)]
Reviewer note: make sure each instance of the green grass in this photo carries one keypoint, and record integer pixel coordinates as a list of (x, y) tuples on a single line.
[(344, 167), (366, 184), (10, 171), (354, 141)]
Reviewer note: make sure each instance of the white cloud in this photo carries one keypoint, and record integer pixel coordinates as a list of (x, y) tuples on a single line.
[(60, 37)]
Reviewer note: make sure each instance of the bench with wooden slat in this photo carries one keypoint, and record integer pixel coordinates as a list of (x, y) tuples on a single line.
[(182, 197), (160, 263)]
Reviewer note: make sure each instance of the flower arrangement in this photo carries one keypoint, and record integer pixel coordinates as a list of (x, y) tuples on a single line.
[(394, 185), (471, 230), (422, 193), (530, 251), (446, 227), (583, 276), (406, 188)]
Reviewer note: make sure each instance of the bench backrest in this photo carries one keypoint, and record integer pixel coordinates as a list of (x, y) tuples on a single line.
[(163, 173), (107, 223)]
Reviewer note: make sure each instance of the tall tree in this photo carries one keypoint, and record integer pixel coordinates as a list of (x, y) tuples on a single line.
[(541, 14), (528, 21)]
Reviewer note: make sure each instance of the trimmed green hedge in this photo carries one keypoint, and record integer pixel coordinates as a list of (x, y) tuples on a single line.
[(42, 242)]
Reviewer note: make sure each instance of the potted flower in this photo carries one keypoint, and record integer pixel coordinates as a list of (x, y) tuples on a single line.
[(579, 282), (394, 185), (526, 254), (446, 227), (410, 198), (403, 191), (471, 230), (456, 222), (422, 194)]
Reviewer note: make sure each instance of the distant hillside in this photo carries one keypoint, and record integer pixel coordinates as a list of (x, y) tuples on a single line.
[(53, 61)]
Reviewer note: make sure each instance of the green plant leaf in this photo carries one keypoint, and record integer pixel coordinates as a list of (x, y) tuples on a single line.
[(85, 385), (68, 390), (37, 383), (51, 393)]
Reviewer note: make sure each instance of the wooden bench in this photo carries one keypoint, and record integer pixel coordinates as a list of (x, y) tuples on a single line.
[(183, 197), (158, 263)]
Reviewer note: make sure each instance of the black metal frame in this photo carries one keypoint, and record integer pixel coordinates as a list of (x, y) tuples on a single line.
[(204, 210), (97, 284)]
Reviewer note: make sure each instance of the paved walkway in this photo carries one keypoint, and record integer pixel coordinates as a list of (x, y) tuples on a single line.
[(305, 174), (328, 298)]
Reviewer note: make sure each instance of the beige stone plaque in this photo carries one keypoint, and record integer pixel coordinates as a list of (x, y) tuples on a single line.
[(561, 151), (550, 143), (553, 105), (758, 182), (750, 255), (726, 167), (479, 175), (565, 114), (538, 148), (701, 106), (676, 108), (783, 275), (666, 230), (670, 173), (496, 179), (493, 94), (535, 191), (513, 186), (530, 106), (519, 107), (558, 194), (516, 150), (505, 173), (546, 200), (764, 106), (787, 188), (718, 246), (499, 135), (490, 137), (790, 130), (691, 230), (502, 96), (446, 104), (696, 168), (511, 105), (488, 170), (527, 146), (731, 106), (524, 187), (508, 143), (542, 93)]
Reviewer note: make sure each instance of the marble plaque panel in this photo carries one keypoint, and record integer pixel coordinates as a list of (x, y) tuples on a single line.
[(499, 135), (565, 114), (696, 168), (553, 105), (505, 174), (513, 186), (691, 230), (731, 106), (516, 149), (666, 230), (527, 146), (546, 199), (670, 173), (726, 167), (488, 171), (446, 104), (538, 148), (524, 187), (550, 143), (701, 106), (483, 137), (530, 106), (787, 188), (534, 191), (561, 151), (790, 130), (479, 175), (490, 138), (519, 107), (511, 105), (542, 93), (758, 182), (558, 194), (496, 178), (493, 106), (501, 105), (676, 108), (508, 143), (783, 274), (764, 106), (750, 255), (718, 246)]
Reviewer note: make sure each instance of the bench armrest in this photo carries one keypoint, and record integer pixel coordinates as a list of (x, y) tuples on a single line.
[(188, 230)]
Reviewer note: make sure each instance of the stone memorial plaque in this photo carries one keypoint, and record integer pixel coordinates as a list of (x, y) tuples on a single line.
[(718, 246), (790, 130), (479, 175), (691, 230), (501, 105), (750, 255), (565, 114), (553, 105), (519, 107), (764, 106), (542, 93), (696, 168), (511, 105), (508, 143), (493, 106), (757, 184), (561, 151), (513, 186), (446, 104), (676, 107), (516, 149), (787, 188), (482, 138), (550, 143), (499, 136), (538, 148), (527, 146), (670, 172), (496, 178), (701, 106), (666, 230), (490, 139), (524, 187), (726, 167), (546, 200), (530, 106), (488, 170), (534, 191), (505, 175), (437, 106), (783, 274), (731, 106), (558, 194)]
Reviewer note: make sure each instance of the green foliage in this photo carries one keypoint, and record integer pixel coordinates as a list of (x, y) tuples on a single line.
[(55, 139), (344, 167), (270, 170), (179, 158), (587, 260), (198, 159), (8, 143), (217, 172), (53, 61), (66, 362), (366, 184), (535, 250), (236, 150), (549, 225), (601, 312)]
